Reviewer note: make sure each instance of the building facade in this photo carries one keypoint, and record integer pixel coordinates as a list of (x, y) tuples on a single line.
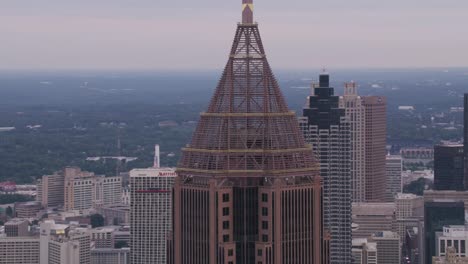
[(465, 139), (19, 250), (367, 115), (17, 228), (50, 189), (370, 218), (150, 213), (84, 190), (375, 144), (393, 170), (326, 127), (110, 256), (61, 243), (437, 214), (408, 215), (248, 188), (355, 112), (448, 167), (364, 251), (388, 247), (452, 236), (28, 209)]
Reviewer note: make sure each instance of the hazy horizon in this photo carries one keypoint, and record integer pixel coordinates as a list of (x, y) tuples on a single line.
[(183, 35)]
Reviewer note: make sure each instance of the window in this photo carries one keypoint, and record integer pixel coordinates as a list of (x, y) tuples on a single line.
[(225, 224), (264, 225), (225, 238), (264, 211), (264, 238), (225, 197), (230, 252), (442, 246), (259, 252), (264, 197), (225, 211)]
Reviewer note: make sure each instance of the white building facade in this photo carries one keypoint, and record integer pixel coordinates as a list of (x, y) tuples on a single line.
[(150, 213)]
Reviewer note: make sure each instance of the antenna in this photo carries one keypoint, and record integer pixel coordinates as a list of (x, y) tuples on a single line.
[(247, 11), (157, 163)]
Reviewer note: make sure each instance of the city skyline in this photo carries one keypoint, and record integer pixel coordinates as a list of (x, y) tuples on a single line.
[(117, 35)]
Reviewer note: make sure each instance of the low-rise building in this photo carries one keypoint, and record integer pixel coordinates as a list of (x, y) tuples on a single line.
[(388, 247), (450, 258), (17, 228), (364, 252), (28, 209), (369, 218), (452, 236), (115, 214), (110, 256), (19, 250)]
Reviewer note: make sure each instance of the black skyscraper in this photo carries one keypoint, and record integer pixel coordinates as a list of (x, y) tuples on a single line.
[(465, 135), (327, 129), (436, 216), (448, 167)]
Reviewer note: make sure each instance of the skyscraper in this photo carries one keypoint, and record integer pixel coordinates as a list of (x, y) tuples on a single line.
[(326, 128), (248, 188), (465, 142), (150, 214), (375, 144), (367, 115), (355, 112), (448, 167)]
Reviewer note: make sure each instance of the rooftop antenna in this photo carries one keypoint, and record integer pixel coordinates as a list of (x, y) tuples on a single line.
[(247, 11), (157, 163)]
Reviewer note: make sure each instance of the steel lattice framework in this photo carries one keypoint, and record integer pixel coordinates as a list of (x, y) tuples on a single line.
[(247, 130), (248, 188)]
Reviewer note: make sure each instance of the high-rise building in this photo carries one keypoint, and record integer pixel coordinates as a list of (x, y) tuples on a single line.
[(248, 188), (437, 214), (465, 141), (84, 190), (19, 250), (355, 112), (375, 144), (326, 127), (448, 167), (150, 213), (367, 115), (393, 169), (364, 252), (50, 189), (388, 247)]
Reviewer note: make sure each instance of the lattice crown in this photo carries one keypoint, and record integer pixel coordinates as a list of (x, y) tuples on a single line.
[(247, 129)]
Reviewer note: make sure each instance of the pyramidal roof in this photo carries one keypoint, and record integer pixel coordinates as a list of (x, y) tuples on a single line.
[(247, 130)]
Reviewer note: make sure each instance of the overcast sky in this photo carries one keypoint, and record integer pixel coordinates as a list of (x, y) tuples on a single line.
[(197, 34)]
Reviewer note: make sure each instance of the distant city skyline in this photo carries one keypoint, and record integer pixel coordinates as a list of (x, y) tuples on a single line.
[(53, 34)]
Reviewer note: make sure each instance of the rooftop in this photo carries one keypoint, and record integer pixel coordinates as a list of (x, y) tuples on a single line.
[(373, 208), (385, 234)]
